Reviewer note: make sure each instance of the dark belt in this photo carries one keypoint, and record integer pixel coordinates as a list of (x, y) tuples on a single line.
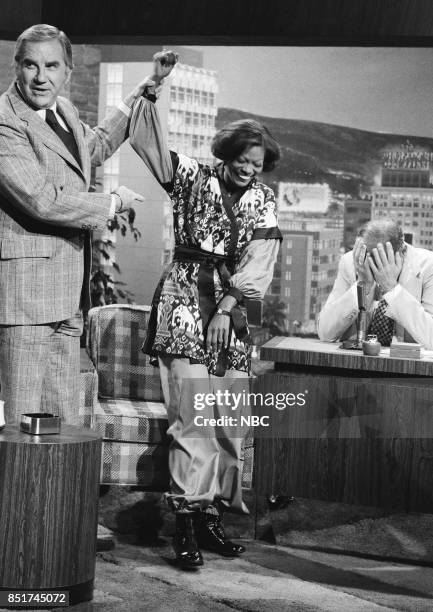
[(206, 288)]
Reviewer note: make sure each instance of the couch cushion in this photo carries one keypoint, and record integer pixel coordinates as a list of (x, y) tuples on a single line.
[(115, 337), (143, 465), (131, 421)]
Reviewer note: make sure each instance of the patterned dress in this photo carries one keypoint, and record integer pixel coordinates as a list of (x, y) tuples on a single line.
[(224, 243)]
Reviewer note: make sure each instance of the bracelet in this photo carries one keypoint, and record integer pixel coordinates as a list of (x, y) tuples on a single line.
[(223, 312)]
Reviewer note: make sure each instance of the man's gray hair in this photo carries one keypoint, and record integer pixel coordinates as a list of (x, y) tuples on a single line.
[(381, 230), (41, 33)]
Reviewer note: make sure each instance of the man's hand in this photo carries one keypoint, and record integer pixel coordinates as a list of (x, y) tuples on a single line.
[(362, 269), (125, 198), (385, 266), (163, 64)]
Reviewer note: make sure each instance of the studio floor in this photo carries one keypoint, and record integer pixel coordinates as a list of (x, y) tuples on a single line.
[(324, 557)]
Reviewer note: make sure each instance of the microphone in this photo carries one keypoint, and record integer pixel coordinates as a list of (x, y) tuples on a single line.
[(361, 323)]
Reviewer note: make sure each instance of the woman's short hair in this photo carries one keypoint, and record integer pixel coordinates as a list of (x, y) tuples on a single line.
[(41, 33), (232, 140)]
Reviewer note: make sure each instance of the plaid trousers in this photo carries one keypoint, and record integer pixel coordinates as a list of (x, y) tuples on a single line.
[(39, 369)]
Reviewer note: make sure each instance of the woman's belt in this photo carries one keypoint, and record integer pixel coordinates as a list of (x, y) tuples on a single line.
[(206, 287)]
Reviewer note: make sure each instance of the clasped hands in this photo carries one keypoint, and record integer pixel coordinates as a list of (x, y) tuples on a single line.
[(163, 63), (380, 265)]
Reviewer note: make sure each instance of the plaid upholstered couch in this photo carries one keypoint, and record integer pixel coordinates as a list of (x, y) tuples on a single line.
[(129, 411)]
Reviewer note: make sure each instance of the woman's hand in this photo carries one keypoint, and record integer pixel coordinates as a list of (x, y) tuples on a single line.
[(163, 63), (218, 332)]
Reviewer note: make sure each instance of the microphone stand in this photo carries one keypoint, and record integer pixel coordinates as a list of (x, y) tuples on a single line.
[(361, 323)]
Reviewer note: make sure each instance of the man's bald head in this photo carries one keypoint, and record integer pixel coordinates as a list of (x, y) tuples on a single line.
[(383, 231)]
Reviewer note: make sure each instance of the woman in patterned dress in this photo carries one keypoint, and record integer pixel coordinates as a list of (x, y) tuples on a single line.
[(226, 244)]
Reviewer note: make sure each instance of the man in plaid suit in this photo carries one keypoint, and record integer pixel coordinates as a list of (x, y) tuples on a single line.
[(46, 213), (398, 284)]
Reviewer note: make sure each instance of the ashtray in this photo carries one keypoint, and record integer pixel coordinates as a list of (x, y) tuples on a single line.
[(39, 423)]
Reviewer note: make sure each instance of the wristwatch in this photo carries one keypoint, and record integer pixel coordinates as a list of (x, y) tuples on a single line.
[(223, 312)]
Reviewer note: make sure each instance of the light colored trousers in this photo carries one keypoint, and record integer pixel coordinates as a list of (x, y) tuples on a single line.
[(203, 468), (39, 369)]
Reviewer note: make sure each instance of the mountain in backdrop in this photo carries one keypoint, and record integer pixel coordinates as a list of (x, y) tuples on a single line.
[(348, 159)]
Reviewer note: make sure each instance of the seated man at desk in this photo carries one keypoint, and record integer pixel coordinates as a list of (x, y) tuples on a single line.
[(398, 286)]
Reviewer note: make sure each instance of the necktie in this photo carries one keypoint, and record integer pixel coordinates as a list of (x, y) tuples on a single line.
[(381, 325), (66, 137)]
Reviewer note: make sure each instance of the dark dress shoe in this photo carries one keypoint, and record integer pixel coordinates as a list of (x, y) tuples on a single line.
[(211, 536), (185, 545)]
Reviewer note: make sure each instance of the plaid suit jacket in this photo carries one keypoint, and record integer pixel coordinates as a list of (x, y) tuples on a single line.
[(45, 208)]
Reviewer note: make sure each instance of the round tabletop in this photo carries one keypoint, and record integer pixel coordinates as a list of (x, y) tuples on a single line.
[(68, 434)]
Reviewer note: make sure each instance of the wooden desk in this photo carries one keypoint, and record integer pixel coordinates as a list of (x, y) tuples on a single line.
[(369, 438), (49, 489)]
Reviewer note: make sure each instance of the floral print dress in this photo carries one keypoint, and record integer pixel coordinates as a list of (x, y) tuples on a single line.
[(224, 243)]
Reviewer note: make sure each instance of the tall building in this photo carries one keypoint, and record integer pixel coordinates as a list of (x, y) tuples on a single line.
[(356, 213), (406, 194), (187, 108), (305, 271)]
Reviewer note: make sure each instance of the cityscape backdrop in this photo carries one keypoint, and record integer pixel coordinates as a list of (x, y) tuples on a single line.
[(333, 175)]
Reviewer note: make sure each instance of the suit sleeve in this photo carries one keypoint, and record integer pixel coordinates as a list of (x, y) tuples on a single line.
[(416, 317), (25, 186), (103, 140), (341, 308)]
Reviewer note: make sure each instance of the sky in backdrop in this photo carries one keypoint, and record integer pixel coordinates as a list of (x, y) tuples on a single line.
[(378, 89)]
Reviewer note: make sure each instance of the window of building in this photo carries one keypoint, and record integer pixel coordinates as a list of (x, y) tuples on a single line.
[(195, 119), (204, 98), (181, 94), (196, 96), (289, 244), (211, 99), (287, 291), (188, 95), (194, 141), (288, 275), (188, 118), (203, 120), (173, 93), (289, 260)]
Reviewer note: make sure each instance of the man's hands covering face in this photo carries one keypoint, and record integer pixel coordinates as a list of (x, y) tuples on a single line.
[(362, 269), (385, 266)]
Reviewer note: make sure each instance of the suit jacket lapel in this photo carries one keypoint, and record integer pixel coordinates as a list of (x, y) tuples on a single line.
[(27, 114)]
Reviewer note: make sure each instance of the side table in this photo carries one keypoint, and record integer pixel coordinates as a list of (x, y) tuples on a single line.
[(49, 488)]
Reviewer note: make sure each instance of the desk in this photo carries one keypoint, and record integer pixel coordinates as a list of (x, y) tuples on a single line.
[(49, 488), (370, 436)]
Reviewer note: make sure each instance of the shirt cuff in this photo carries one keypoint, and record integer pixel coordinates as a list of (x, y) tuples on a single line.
[(354, 292), (392, 295), (126, 110), (113, 206)]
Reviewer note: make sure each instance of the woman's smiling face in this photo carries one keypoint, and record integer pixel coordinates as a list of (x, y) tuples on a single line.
[(241, 170)]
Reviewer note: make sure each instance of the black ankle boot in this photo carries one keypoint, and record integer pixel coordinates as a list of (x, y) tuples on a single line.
[(211, 536), (185, 544)]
